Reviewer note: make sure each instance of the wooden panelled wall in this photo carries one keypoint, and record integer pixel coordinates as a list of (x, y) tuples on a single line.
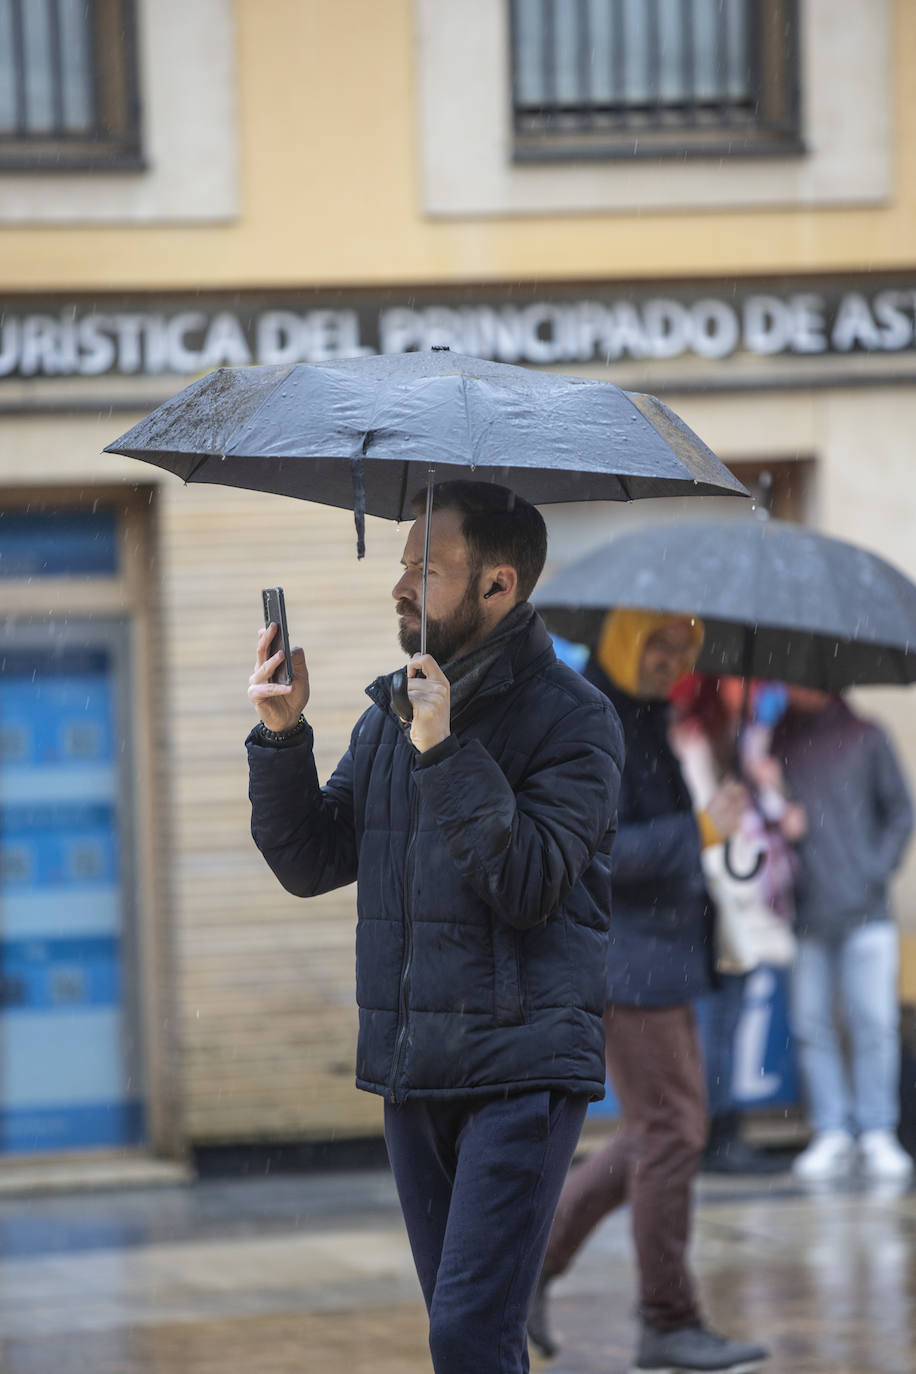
[(268, 1022)]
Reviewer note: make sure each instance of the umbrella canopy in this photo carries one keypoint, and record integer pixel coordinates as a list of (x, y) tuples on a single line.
[(778, 601), (550, 438), (367, 432)]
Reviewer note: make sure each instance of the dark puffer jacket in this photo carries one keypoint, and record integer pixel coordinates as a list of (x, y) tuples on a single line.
[(483, 878), (660, 951)]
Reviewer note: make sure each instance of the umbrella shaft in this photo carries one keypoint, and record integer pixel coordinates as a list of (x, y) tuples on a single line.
[(429, 511)]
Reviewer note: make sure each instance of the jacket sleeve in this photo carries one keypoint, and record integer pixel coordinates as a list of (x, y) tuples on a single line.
[(893, 809), (663, 847), (653, 849), (522, 851), (305, 832)]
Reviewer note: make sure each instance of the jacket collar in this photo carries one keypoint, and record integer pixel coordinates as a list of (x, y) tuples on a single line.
[(521, 655)]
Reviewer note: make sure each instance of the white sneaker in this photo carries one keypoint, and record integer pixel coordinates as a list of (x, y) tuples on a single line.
[(831, 1154), (883, 1156)]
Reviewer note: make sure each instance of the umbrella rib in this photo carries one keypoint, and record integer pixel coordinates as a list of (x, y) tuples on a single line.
[(197, 466), (467, 421), (254, 415)]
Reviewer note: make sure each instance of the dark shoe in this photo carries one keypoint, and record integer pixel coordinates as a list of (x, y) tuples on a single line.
[(737, 1157), (539, 1333), (691, 1348)]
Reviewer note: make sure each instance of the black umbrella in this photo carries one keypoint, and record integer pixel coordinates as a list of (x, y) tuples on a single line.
[(778, 601), (367, 432)]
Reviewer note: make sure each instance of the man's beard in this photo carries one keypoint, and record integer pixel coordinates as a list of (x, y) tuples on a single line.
[(444, 638)]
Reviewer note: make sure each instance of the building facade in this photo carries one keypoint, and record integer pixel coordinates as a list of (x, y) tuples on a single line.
[(714, 202)]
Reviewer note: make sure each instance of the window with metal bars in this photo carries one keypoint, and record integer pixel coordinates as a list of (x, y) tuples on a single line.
[(654, 78), (68, 85)]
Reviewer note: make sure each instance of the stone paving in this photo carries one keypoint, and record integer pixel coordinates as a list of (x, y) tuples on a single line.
[(312, 1273)]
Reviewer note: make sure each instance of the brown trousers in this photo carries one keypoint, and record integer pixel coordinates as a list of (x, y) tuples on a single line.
[(654, 1062)]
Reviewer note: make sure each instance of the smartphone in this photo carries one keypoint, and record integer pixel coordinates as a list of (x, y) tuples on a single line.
[(275, 613)]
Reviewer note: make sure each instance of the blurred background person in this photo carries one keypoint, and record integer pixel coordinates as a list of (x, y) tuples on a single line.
[(844, 992), (660, 958), (753, 914)]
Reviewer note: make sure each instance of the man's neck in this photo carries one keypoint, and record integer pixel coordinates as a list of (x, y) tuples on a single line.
[(484, 634)]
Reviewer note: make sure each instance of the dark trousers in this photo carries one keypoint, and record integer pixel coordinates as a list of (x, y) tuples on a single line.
[(478, 1183), (655, 1064)]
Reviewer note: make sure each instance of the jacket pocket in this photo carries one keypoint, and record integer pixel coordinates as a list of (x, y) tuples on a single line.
[(508, 1006)]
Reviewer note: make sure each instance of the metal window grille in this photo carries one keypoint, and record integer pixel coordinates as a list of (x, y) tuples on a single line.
[(606, 78), (68, 85)]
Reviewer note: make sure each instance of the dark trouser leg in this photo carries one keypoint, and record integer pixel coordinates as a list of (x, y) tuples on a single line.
[(420, 1139), (655, 1064), (478, 1186)]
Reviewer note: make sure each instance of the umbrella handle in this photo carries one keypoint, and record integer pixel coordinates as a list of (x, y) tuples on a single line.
[(752, 871), (401, 703)]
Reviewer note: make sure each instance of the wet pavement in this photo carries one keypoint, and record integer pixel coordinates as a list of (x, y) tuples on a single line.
[(311, 1274)]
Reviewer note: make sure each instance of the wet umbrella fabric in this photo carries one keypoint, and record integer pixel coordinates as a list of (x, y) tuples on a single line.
[(778, 601), (550, 438), (366, 433)]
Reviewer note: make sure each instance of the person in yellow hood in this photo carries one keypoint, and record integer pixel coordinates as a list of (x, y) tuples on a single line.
[(659, 959)]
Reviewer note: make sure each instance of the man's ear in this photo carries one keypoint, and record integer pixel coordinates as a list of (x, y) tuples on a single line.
[(503, 580)]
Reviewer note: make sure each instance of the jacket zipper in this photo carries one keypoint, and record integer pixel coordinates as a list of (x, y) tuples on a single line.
[(401, 1039)]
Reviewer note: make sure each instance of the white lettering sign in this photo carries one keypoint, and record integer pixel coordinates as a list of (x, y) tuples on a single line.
[(543, 332)]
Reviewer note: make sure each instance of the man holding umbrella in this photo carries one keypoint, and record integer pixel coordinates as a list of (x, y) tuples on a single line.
[(479, 834)]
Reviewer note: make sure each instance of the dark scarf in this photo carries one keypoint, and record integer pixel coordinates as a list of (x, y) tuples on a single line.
[(467, 672)]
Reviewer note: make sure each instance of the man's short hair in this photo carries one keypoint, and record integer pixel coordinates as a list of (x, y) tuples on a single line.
[(499, 527)]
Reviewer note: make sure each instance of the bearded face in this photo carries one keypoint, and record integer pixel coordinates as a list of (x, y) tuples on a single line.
[(446, 637)]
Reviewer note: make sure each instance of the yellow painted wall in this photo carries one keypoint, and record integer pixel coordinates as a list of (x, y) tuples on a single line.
[(908, 970), (330, 193)]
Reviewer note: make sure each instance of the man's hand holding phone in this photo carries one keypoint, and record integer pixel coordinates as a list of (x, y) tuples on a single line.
[(279, 704)]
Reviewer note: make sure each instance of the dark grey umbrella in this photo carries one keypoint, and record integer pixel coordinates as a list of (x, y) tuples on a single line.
[(368, 432), (778, 601), (304, 430)]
